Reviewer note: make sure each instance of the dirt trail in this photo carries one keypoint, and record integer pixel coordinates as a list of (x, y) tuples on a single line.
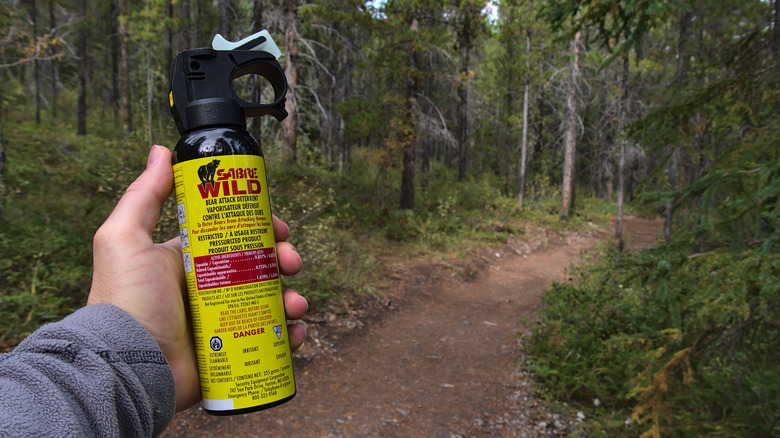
[(437, 359)]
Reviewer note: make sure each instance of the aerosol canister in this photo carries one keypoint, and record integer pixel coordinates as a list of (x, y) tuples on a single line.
[(240, 331)]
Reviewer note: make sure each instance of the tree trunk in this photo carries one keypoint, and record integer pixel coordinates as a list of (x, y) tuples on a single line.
[(674, 153), (463, 120), (290, 124), (570, 139), (255, 123), (186, 37), (2, 170), (127, 114), (202, 9), (329, 117), (114, 54), (524, 147), (346, 91), (342, 165), (257, 16), (408, 139), (507, 131), (169, 36), (465, 35), (36, 62), (605, 146), (609, 178), (81, 128), (540, 106), (776, 30), (55, 69), (226, 12), (524, 142), (621, 135)]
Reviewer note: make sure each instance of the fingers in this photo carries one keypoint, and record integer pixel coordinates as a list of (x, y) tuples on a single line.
[(140, 205), (297, 335), (281, 230), (289, 260), (295, 307)]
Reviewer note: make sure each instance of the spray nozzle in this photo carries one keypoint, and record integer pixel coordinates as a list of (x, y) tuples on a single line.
[(202, 82)]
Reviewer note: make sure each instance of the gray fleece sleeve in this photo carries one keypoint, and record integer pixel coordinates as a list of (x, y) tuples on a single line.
[(96, 373)]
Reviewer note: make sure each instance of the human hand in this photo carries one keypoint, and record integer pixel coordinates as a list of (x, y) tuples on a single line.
[(146, 280)]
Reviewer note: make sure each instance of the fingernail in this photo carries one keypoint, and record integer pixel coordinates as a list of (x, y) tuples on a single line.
[(154, 155)]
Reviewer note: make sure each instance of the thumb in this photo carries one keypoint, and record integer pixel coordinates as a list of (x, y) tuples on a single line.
[(141, 203)]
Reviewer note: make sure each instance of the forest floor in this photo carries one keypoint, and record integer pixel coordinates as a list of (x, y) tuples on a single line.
[(436, 354)]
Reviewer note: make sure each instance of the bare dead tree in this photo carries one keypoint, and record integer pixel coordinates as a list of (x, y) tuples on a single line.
[(570, 137)]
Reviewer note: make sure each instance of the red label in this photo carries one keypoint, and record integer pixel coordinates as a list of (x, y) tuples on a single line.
[(236, 268)]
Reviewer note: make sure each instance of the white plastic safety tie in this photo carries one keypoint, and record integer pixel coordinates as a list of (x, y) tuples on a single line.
[(260, 41)]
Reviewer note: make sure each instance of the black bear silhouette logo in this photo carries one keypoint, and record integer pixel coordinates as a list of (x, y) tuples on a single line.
[(206, 172)]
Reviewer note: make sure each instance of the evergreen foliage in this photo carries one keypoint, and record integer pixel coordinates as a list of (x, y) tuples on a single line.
[(681, 339), (682, 344)]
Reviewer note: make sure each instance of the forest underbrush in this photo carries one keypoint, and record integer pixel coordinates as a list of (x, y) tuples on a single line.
[(680, 339), (58, 188)]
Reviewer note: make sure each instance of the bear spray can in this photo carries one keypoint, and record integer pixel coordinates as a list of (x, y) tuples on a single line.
[(238, 320)]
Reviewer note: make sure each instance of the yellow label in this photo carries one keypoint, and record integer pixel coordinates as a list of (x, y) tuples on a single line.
[(233, 283)]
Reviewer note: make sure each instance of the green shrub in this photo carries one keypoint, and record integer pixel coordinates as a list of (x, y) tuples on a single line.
[(58, 189), (686, 345)]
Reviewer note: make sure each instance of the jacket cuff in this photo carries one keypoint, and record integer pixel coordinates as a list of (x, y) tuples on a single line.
[(122, 343)]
